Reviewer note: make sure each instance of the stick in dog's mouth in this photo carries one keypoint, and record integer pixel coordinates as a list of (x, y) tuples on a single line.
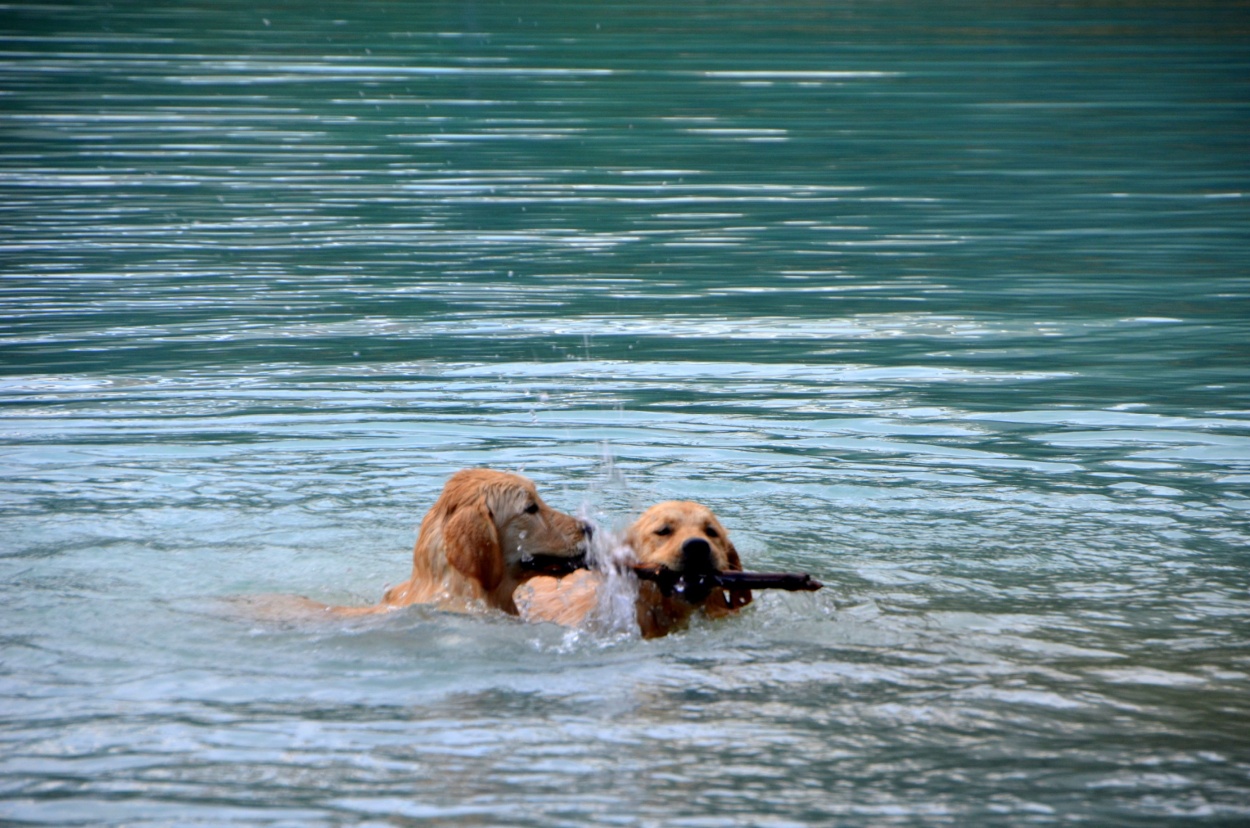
[(692, 585), (554, 564)]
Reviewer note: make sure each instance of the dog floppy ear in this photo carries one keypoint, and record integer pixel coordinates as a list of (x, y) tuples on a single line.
[(472, 543)]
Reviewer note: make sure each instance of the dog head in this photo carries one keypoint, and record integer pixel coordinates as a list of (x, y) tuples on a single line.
[(494, 527), (684, 537)]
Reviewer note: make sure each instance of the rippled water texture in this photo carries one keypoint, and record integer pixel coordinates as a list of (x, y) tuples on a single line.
[(945, 303)]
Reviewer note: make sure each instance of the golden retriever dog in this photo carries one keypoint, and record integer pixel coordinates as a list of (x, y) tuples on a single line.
[(487, 534), (678, 535)]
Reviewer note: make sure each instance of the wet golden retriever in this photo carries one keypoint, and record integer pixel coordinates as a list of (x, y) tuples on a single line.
[(487, 534), (679, 535)]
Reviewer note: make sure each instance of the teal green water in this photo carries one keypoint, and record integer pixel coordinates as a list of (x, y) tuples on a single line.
[(944, 303)]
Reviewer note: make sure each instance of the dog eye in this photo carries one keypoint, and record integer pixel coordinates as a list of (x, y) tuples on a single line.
[(531, 509), (664, 530), (711, 531)]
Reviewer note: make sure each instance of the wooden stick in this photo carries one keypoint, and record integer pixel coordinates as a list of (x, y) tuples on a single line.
[(668, 580), (554, 564), (695, 586)]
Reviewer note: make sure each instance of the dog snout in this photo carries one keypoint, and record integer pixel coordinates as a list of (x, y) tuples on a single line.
[(696, 556), (588, 530)]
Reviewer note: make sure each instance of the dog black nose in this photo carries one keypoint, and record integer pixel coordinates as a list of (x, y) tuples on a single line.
[(588, 530), (696, 556)]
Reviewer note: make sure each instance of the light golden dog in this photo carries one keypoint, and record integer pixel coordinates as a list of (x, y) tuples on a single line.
[(487, 534), (678, 535)]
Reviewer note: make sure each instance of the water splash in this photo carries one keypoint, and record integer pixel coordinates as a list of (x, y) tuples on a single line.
[(614, 615)]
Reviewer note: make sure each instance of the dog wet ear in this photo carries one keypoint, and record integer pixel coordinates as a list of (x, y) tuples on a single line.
[(472, 544)]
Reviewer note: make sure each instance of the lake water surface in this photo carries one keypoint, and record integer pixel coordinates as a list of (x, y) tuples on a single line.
[(945, 303)]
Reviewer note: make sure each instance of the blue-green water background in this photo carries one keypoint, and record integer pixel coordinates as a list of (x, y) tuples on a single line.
[(945, 303)]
